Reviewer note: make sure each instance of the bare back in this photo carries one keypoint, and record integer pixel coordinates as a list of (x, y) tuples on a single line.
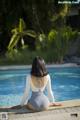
[(39, 82)]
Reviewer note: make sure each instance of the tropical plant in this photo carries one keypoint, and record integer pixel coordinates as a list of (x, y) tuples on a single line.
[(41, 41), (18, 33), (60, 40)]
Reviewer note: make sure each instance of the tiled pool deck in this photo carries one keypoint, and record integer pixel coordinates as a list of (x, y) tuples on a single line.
[(70, 110)]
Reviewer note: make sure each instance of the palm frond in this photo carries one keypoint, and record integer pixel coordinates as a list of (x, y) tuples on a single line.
[(29, 33)]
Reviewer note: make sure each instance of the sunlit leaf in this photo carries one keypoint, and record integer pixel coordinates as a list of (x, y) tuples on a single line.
[(15, 30), (14, 40), (29, 33), (21, 25)]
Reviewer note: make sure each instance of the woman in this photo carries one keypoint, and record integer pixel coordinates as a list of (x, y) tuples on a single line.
[(37, 81)]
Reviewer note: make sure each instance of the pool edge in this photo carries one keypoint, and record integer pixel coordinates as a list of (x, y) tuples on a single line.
[(65, 104), (29, 66)]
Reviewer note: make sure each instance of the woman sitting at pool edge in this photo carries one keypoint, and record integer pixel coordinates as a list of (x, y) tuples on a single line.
[(37, 81)]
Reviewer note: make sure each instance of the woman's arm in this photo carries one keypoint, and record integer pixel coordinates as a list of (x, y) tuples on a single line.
[(50, 94), (49, 90), (26, 91)]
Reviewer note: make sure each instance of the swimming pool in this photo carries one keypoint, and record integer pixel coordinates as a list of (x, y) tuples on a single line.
[(65, 84)]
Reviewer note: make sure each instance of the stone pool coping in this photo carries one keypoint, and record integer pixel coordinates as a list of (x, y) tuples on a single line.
[(69, 110), (29, 66)]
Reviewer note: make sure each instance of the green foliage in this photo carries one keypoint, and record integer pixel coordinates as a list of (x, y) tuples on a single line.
[(13, 54), (37, 15), (52, 36), (18, 33), (64, 11), (25, 57), (14, 40), (59, 40), (46, 18), (41, 42), (42, 37), (22, 25)]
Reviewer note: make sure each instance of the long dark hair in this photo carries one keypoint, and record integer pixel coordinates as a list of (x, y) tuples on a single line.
[(38, 67)]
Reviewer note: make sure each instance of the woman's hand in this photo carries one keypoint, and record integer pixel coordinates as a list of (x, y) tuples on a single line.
[(55, 104)]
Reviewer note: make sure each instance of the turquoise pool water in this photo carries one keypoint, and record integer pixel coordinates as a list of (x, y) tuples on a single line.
[(65, 84)]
